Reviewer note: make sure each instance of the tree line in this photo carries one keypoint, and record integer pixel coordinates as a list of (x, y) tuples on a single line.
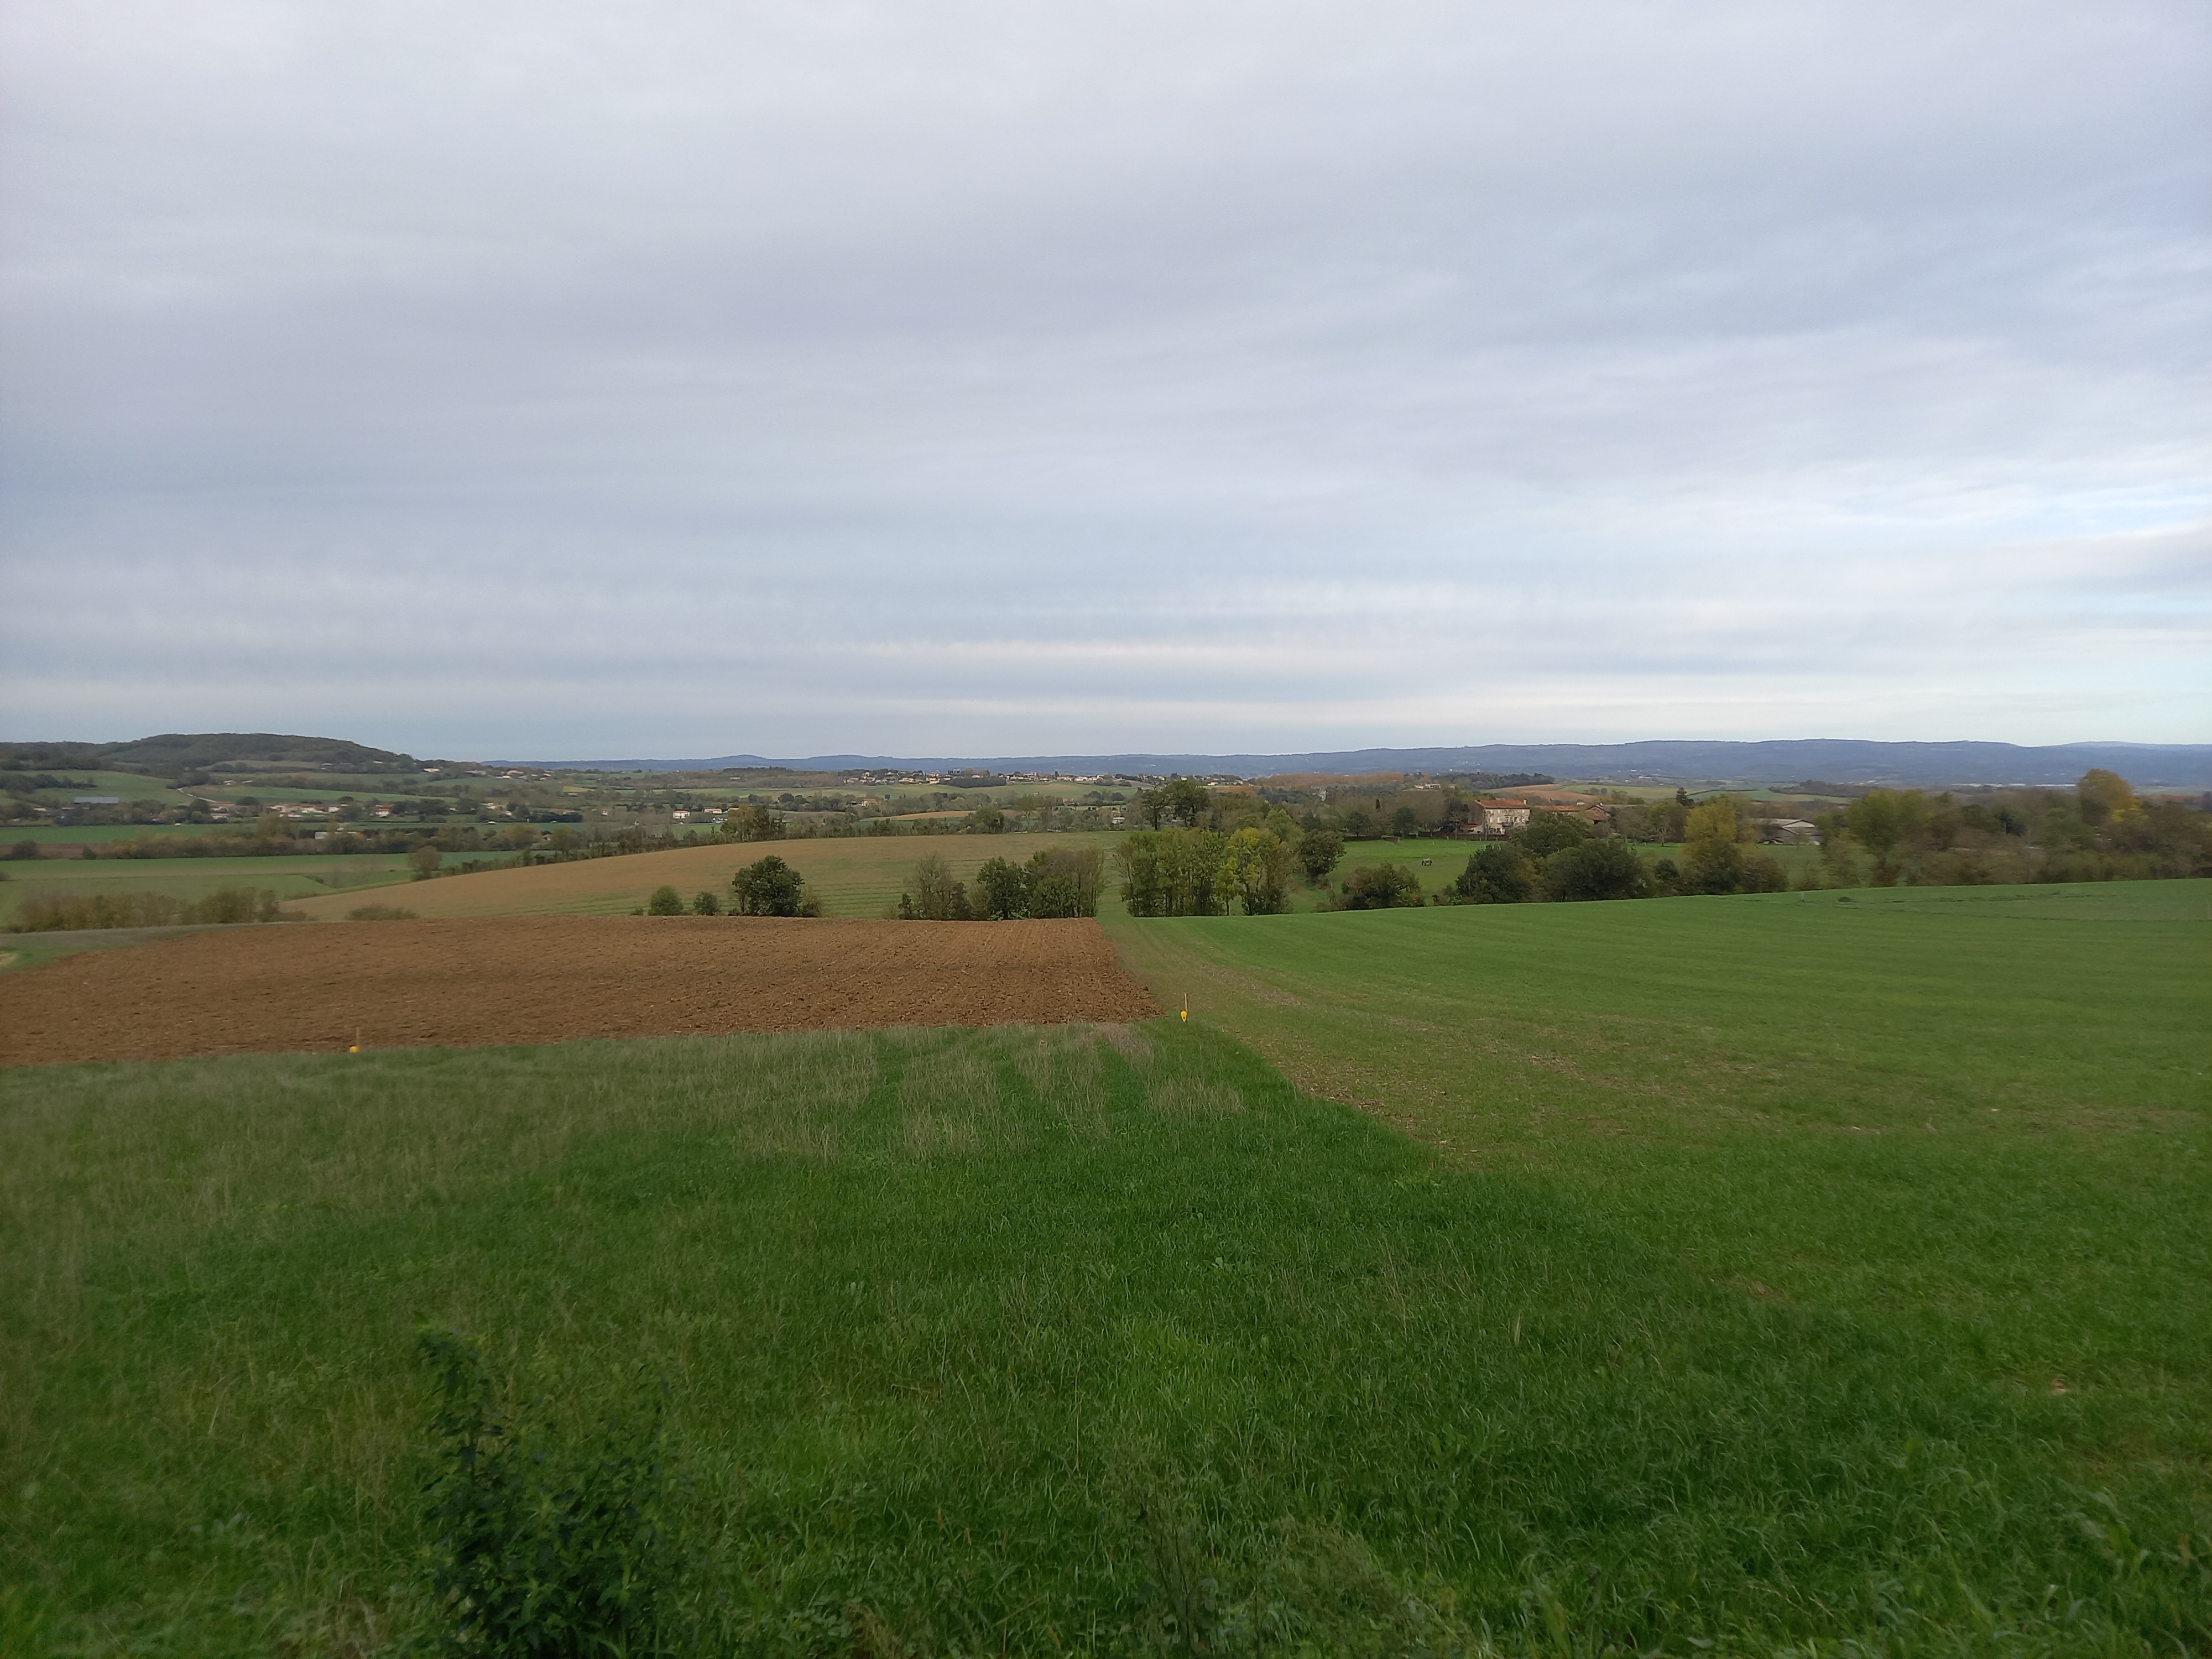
[(1055, 883), (46, 913)]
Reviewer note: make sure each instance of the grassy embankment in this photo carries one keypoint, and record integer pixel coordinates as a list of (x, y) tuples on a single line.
[(1780, 1273)]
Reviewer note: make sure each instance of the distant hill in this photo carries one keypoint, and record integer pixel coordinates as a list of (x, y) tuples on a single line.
[(174, 753), (1842, 760), (1845, 760)]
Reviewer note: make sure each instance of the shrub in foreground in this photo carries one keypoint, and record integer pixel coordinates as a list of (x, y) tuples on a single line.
[(540, 1546)]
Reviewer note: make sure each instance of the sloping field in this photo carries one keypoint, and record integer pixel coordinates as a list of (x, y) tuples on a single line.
[(550, 979), (193, 879), (855, 877)]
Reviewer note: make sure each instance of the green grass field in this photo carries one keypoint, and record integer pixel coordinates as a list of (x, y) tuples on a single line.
[(128, 786), (288, 877), (1823, 1276), (96, 834)]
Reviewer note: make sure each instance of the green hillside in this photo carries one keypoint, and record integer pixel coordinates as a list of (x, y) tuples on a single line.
[(174, 753)]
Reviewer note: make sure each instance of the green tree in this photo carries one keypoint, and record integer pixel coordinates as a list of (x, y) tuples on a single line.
[(1711, 865), (423, 862), (706, 905), (936, 896), (665, 901), (1717, 820), (1171, 872), (1002, 889), (1405, 822), (1054, 898), (1319, 851), (1498, 873), (1546, 833), (1607, 869), (755, 823), (2104, 796), (770, 887), (1384, 886), (1144, 882), (1883, 819), (1187, 801), (1066, 881), (990, 819), (1255, 873)]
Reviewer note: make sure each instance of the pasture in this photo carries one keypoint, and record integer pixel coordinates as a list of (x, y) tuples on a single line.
[(126, 786), (854, 876)]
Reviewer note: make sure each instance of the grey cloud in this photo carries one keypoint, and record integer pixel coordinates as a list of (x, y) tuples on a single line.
[(989, 379)]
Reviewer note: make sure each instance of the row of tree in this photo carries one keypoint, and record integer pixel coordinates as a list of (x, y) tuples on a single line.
[(44, 913), (1055, 883), (2101, 830), (766, 887)]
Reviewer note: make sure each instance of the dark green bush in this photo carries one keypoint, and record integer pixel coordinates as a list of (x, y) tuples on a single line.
[(665, 901), (1380, 887), (1496, 874), (539, 1549), (1597, 870)]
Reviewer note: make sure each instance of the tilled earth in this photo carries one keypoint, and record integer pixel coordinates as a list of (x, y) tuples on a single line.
[(292, 987)]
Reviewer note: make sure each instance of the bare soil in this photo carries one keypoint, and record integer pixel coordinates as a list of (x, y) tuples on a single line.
[(292, 987)]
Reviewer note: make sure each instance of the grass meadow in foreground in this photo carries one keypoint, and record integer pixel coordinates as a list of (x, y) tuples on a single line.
[(1100, 1341)]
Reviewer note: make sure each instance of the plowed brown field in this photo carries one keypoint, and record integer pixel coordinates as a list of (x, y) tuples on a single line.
[(289, 987)]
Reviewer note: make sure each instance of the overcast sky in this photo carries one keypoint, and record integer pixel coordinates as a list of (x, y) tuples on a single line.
[(547, 380)]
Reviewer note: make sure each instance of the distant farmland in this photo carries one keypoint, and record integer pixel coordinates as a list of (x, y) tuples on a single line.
[(855, 875), (287, 876)]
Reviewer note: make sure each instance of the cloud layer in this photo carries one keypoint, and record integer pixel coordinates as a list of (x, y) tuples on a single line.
[(544, 379)]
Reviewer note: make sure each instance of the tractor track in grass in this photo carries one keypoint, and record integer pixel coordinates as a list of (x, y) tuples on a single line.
[(467, 983)]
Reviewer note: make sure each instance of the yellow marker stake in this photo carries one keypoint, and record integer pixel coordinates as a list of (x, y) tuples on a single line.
[(1185, 1007)]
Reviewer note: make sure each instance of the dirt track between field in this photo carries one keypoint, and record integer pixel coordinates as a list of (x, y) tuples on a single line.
[(292, 987)]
